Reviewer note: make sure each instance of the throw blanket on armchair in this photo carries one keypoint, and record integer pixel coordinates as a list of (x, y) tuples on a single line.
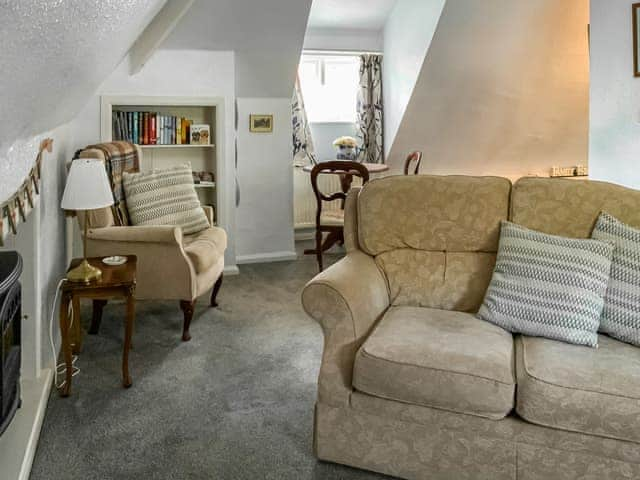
[(120, 157)]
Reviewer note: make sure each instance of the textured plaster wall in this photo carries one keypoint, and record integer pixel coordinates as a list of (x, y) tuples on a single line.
[(614, 152), (53, 56), (504, 90)]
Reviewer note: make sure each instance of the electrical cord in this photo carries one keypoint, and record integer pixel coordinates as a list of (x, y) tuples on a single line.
[(60, 368)]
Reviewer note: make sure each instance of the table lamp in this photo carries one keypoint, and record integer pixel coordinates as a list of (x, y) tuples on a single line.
[(87, 188)]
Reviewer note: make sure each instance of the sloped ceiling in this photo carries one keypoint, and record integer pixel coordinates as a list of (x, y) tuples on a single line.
[(503, 90), (54, 55), (266, 37)]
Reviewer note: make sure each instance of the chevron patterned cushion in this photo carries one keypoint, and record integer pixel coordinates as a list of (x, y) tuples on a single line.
[(164, 197), (621, 313), (548, 286)]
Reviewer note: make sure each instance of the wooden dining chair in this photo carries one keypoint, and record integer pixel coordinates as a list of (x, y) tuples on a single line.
[(332, 223), (413, 157)]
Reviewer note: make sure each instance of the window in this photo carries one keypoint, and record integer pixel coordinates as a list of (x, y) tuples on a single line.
[(329, 86)]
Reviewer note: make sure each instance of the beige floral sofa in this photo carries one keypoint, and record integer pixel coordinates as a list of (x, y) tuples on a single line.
[(413, 385)]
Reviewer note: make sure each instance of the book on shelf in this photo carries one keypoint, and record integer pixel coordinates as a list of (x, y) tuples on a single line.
[(152, 128)]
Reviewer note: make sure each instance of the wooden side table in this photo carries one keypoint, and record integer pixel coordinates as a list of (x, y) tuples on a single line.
[(117, 281)]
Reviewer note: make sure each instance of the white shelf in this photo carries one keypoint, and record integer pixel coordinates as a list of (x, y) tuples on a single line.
[(205, 185), (177, 146)]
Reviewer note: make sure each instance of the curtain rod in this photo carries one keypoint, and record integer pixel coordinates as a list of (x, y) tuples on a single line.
[(311, 51)]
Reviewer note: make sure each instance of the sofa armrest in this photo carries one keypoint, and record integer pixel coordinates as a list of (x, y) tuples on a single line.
[(347, 300), (146, 234)]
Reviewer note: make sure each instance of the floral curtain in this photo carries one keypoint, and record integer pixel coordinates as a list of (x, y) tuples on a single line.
[(370, 111), (303, 151)]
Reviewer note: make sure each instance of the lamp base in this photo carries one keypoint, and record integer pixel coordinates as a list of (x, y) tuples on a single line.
[(84, 273)]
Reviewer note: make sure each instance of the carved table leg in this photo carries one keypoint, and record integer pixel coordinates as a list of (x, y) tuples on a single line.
[(128, 333), (187, 309), (216, 289), (65, 390), (96, 318)]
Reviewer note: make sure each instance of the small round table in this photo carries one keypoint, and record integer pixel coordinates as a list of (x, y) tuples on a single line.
[(372, 167), (345, 183)]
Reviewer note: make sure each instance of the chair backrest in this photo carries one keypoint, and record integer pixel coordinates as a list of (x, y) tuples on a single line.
[(346, 170), (413, 157)]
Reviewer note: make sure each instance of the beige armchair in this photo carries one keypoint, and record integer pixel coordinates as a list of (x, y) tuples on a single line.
[(171, 266)]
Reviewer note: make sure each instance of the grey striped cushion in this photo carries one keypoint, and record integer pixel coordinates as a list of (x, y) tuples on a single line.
[(548, 286), (621, 313), (164, 197)]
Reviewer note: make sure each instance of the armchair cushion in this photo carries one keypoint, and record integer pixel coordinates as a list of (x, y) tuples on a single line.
[(165, 197), (438, 358), (205, 247)]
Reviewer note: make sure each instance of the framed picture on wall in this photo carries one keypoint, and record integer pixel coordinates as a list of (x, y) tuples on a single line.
[(635, 9), (261, 123)]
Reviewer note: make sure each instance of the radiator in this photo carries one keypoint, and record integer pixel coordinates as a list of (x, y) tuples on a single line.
[(304, 201)]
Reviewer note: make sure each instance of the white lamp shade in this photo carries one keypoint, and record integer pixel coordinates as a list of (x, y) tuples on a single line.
[(87, 186)]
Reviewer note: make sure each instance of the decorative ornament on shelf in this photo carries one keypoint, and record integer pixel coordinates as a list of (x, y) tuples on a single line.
[(347, 148), (15, 209)]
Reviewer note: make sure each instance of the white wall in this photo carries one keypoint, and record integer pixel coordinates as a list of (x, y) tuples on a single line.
[(343, 39), (407, 36), (614, 146), (265, 36), (265, 177), (177, 73)]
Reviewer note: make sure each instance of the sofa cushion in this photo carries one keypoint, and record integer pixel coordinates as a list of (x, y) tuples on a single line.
[(621, 313), (425, 212), (438, 358), (205, 247), (548, 286), (570, 208), (443, 280), (587, 390)]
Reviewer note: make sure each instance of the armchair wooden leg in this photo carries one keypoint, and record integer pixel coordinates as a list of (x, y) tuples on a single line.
[(187, 307), (319, 248), (98, 305), (216, 289)]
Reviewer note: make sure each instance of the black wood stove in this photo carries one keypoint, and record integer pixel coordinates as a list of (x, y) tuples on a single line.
[(10, 315)]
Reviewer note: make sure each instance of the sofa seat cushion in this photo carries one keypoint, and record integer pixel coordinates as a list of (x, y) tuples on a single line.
[(205, 247), (438, 358), (580, 389)]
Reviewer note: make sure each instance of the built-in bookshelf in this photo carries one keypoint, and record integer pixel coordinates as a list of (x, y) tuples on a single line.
[(162, 126)]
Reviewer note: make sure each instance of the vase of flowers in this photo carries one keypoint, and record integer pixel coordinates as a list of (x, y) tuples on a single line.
[(346, 148)]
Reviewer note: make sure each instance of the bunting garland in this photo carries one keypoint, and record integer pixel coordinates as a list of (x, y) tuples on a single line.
[(17, 207)]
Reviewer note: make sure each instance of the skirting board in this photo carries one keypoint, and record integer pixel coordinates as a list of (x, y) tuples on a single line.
[(18, 443), (231, 270), (267, 257), (305, 234)]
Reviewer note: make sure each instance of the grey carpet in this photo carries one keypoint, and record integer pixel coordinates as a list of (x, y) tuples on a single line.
[(234, 403)]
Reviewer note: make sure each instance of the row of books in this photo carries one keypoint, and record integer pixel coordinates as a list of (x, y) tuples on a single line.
[(152, 128)]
